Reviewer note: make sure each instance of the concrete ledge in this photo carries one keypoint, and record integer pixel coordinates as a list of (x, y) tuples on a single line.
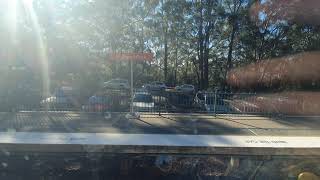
[(158, 144)]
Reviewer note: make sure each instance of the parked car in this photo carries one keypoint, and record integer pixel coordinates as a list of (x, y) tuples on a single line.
[(111, 102), (180, 101), (160, 100), (155, 86), (186, 88), (143, 102), (117, 84), (63, 98), (209, 102)]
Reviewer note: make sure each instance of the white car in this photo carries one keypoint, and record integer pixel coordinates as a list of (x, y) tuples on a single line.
[(143, 102), (60, 102), (155, 86), (117, 84), (186, 88)]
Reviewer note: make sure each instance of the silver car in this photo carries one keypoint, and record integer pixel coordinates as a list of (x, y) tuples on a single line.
[(117, 84), (155, 86), (186, 88)]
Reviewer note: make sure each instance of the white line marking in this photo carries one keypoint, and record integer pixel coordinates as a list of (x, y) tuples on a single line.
[(253, 132)]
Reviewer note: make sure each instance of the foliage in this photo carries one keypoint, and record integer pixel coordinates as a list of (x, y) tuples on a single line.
[(193, 41)]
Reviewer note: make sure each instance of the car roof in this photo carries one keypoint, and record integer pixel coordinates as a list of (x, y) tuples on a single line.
[(112, 80), (117, 79)]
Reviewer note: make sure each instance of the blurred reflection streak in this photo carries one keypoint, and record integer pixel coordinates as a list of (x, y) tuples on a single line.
[(294, 72), (300, 70), (292, 11), (285, 103), (12, 7), (40, 43)]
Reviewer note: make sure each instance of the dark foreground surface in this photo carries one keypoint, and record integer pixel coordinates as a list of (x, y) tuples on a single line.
[(156, 167)]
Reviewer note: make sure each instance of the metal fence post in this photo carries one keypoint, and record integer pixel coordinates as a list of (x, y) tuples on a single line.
[(131, 86), (215, 103), (159, 104), (159, 107)]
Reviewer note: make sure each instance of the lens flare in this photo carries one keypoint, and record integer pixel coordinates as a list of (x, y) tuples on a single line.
[(12, 19), (41, 46)]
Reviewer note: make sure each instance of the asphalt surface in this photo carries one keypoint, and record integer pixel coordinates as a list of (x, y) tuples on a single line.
[(222, 124), (91, 165)]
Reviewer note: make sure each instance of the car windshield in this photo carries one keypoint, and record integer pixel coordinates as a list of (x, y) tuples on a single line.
[(143, 98), (159, 89)]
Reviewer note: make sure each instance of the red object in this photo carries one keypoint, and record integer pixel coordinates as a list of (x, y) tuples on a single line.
[(131, 57)]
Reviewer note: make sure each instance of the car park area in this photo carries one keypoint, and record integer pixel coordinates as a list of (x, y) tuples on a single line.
[(155, 129), (173, 111)]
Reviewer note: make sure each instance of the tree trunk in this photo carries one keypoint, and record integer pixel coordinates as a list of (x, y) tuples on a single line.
[(208, 29), (229, 58), (201, 48), (197, 73), (176, 63), (206, 58), (206, 72), (186, 70), (165, 39), (165, 56), (142, 49)]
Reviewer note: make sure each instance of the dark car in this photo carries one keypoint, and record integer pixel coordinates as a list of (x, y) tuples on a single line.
[(179, 101), (63, 98), (97, 104), (111, 101)]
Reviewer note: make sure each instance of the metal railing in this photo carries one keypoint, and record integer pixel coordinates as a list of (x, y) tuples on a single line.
[(162, 101)]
